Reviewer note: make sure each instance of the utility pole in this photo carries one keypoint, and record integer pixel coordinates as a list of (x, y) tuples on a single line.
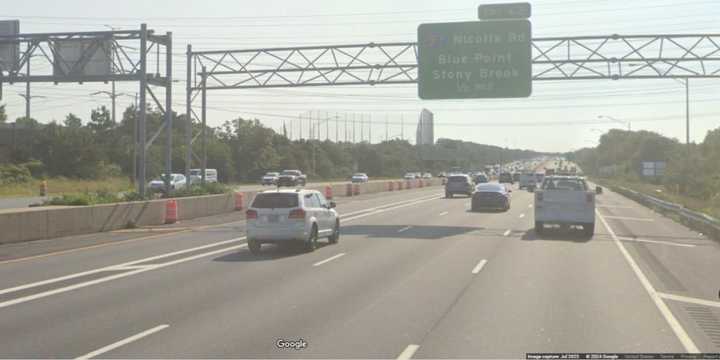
[(353, 128), (362, 128), (337, 131), (346, 138), (370, 128), (402, 127), (386, 127), (687, 114), (327, 127)]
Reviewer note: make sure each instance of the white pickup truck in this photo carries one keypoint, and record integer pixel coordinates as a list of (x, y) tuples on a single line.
[(565, 200)]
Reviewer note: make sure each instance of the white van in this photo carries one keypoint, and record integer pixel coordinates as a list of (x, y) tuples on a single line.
[(211, 175)]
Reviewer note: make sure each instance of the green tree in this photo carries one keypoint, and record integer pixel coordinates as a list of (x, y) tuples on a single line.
[(100, 120), (72, 121)]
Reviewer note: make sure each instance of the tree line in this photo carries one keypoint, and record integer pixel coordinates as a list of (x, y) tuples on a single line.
[(241, 149), (690, 169)]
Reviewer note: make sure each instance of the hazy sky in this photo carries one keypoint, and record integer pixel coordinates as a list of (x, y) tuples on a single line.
[(559, 116)]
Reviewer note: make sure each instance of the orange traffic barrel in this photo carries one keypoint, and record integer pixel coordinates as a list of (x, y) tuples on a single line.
[(239, 201), (391, 186), (348, 190), (328, 191), (171, 211)]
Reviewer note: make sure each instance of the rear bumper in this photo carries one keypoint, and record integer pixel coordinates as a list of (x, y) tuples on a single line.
[(287, 233), (553, 216)]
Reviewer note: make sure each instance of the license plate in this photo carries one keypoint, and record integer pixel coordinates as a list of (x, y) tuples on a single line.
[(273, 218)]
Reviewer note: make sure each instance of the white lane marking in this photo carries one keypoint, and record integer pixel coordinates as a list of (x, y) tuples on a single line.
[(388, 209), (625, 238), (136, 269), (614, 206), (404, 229), (689, 300), (122, 342), (329, 259), (507, 232), (629, 218), (113, 277), (122, 266), (479, 266), (679, 331), (408, 352), (522, 216), (444, 213)]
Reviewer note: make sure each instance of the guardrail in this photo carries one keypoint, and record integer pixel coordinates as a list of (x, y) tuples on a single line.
[(703, 223)]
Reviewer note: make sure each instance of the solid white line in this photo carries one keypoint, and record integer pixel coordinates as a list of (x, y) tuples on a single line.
[(404, 229), (443, 213), (614, 206), (122, 342), (408, 352), (329, 259), (679, 331), (690, 300), (522, 216), (479, 266), (507, 232), (624, 238), (388, 209), (628, 218)]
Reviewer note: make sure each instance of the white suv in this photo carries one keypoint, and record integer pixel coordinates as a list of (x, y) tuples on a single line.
[(287, 215)]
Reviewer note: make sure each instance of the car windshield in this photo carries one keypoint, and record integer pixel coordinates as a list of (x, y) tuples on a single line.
[(275, 200), (290, 172), (457, 179)]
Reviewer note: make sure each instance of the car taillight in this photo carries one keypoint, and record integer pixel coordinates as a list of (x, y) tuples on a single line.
[(539, 196), (251, 214), (589, 197), (297, 214)]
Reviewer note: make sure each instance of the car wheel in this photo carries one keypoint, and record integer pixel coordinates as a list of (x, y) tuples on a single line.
[(539, 228), (333, 239), (311, 242), (507, 205), (254, 246), (589, 229)]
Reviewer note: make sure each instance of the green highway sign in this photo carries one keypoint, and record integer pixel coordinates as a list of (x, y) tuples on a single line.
[(477, 59), (504, 11)]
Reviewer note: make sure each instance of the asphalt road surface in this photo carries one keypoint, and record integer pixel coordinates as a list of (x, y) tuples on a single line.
[(414, 275)]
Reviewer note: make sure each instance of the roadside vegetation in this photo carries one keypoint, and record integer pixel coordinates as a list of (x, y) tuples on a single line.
[(691, 177), (91, 161)]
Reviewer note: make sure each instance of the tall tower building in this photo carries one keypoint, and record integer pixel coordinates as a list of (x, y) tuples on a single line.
[(425, 130)]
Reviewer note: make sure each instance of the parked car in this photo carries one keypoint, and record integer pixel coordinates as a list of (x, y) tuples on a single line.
[(177, 181), (409, 176), (270, 178), (291, 178), (211, 175), (291, 216), (458, 184), (359, 178), (566, 201), (491, 196), (441, 174), (427, 176)]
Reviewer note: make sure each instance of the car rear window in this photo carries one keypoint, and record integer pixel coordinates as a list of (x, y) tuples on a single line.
[(564, 184), (275, 201), (458, 179)]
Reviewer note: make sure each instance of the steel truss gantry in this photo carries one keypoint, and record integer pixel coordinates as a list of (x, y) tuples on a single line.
[(608, 57), (124, 65)]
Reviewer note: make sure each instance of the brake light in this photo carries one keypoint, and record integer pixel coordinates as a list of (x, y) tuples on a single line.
[(251, 214), (589, 197), (539, 196), (297, 214)]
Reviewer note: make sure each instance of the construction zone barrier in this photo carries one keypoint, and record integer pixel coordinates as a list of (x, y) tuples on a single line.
[(328, 192), (239, 201), (349, 190), (171, 211), (391, 186), (356, 190)]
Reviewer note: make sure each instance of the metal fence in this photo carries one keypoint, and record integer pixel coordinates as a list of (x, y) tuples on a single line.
[(703, 223)]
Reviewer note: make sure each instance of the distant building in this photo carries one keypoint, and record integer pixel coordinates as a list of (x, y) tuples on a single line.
[(425, 129)]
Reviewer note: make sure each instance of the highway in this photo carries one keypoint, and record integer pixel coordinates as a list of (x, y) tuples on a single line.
[(413, 276)]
